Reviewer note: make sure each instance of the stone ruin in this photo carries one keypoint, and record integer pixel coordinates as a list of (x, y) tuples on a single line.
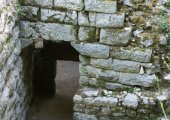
[(120, 51)]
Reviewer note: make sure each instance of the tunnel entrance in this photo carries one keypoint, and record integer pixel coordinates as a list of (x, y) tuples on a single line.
[(55, 81)]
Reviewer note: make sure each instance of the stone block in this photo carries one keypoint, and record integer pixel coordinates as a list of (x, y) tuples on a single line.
[(126, 66), (83, 80), (102, 63), (52, 15), (84, 60), (134, 54), (87, 34), (110, 20), (92, 50), (83, 116), (69, 4), (30, 12), (83, 19), (101, 6), (91, 93), (137, 79), (130, 100), (115, 86), (71, 17), (108, 75), (89, 71), (117, 37), (106, 101), (56, 32), (42, 3)]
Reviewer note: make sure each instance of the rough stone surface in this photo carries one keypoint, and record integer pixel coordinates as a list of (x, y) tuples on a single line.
[(130, 100), (115, 37), (44, 3), (102, 63), (137, 79), (82, 116), (126, 66), (101, 6), (92, 50), (86, 34), (135, 54), (109, 20), (69, 4), (56, 32)]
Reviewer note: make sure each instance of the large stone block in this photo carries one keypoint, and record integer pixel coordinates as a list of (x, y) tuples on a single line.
[(134, 54), (106, 101), (83, 116), (56, 32), (126, 66), (102, 63), (30, 12), (42, 3), (110, 20), (83, 19), (87, 34), (137, 79), (88, 71), (69, 4), (130, 100), (52, 15), (92, 50), (101, 6), (116, 37), (108, 75)]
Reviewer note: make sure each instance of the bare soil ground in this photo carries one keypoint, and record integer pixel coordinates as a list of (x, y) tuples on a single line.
[(60, 107)]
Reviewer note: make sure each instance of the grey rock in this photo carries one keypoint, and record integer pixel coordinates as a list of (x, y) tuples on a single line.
[(71, 17), (84, 60), (83, 116), (91, 93), (115, 86), (167, 77), (147, 43), (126, 66), (101, 6), (89, 71), (56, 32), (102, 63), (137, 79), (83, 19), (163, 40), (134, 54), (127, 2), (44, 3), (106, 101), (105, 110), (52, 15), (110, 75), (92, 50), (92, 19), (130, 100), (116, 37), (83, 80), (25, 42), (30, 12), (86, 34), (93, 82), (69, 4), (110, 20), (77, 99)]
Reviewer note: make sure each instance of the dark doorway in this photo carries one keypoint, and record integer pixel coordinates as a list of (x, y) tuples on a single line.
[(55, 81)]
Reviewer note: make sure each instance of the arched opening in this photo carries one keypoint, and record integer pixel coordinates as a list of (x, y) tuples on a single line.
[(55, 81)]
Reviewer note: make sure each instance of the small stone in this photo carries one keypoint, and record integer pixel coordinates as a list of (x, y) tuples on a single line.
[(102, 63), (77, 99), (162, 98), (83, 19), (142, 70), (163, 40), (91, 93), (167, 77), (130, 100)]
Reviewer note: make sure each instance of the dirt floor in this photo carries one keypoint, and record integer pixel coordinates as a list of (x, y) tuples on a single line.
[(60, 107)]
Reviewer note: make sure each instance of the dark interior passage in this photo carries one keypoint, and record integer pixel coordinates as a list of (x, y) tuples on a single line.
[(55, 81)]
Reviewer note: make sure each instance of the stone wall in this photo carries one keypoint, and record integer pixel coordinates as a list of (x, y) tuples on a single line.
[(13, 93), (119, 44)]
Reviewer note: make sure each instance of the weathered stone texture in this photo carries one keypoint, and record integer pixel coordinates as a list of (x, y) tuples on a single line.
[(115, 37), (69, 4), (56, 32), (92, 50), (44, 3), (101, 6)]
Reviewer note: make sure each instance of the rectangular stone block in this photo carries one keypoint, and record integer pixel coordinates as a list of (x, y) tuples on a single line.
[(102, 63), (88, 71), (42, 3), (92, 50), (101, 6), (56, 32), (87, 34), (117, 37), (83, 19), (137, 79), (110, 20), (52, 15), (108, 75), (134, 54), (30, 12), (77, 5), (126, 66)]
